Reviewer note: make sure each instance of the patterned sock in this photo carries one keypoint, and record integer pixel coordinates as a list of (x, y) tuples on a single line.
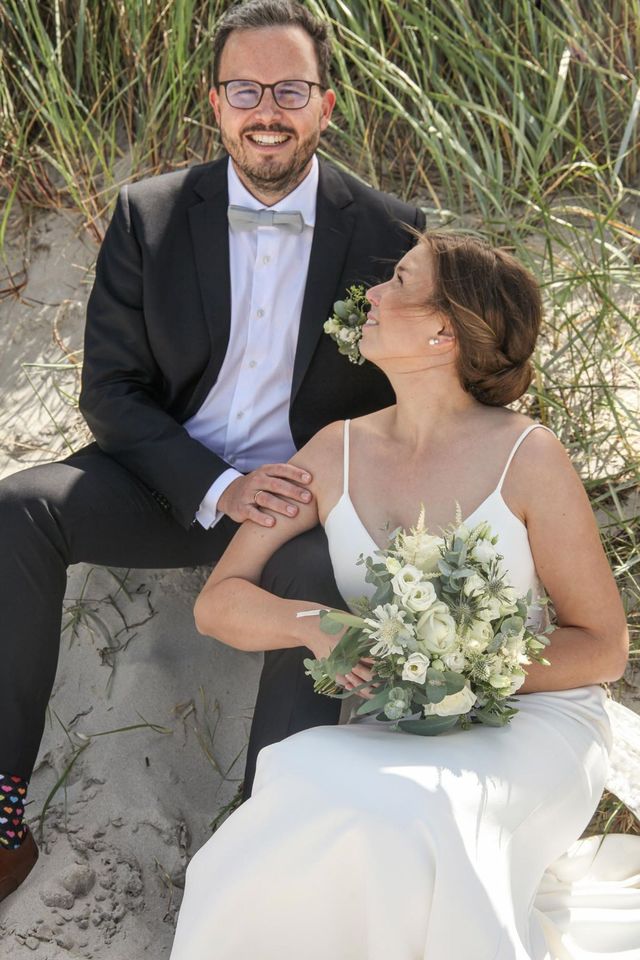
[(13, 793)]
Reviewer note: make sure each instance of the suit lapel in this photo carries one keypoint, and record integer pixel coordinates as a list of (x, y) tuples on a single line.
[(210, 237), (335, 218)]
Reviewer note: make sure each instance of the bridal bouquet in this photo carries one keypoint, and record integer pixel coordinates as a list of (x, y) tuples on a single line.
[(345, 325), (446, 632)]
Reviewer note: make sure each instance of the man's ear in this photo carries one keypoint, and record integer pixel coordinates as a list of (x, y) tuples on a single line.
[(214, 100), (328, 103)]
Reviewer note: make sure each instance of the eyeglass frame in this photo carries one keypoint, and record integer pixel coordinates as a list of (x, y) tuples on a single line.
[(269, 86)]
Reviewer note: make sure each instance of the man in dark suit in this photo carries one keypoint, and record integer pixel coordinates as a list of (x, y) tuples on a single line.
[(205, 369)]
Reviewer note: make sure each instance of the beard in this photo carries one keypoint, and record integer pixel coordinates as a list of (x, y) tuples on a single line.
[(271, 175)]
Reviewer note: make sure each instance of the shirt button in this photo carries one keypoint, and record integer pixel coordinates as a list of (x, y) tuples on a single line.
[(240, 415), (252, 363), (260, 312), (266, 259)]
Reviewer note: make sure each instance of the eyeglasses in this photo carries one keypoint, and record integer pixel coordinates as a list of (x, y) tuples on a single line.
[(288, 94)]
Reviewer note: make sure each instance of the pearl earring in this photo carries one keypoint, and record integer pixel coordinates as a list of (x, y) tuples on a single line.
[(433, 341)]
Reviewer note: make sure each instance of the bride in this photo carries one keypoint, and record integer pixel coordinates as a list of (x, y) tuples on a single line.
[(360, 842)]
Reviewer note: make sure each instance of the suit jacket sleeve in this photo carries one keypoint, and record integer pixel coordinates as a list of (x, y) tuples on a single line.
[(122, 387)]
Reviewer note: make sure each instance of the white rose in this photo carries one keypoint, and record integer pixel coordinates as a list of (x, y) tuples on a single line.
[(436, 629), (454, 661), (483, 552), (393, 565), (406, 579), (421, 549), (453, 705), (420, 597), (473, 585), (415, 668), (478, 637)]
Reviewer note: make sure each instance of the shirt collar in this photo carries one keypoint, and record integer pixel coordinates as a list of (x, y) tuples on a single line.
[(303, 198)]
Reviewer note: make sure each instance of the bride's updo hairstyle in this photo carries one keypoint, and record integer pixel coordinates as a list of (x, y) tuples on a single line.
[(494, 307)]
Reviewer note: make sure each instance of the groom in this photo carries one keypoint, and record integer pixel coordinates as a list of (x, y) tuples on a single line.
[(205, 369)]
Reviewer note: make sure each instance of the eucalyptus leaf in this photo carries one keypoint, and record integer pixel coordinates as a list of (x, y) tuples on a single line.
[(436, 694)]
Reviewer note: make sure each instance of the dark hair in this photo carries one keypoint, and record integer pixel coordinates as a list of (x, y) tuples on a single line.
[(494, 305), (253, 14)]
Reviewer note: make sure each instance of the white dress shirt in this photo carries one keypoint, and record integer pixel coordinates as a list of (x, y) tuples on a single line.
[(245, 417)]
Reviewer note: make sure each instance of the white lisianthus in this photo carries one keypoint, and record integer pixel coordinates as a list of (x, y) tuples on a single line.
[(421, 550), (500, 677), (415, 668), (453, 705), (517, 680), (420, 597), (483, 551), (490, 610), (473, 585), (388, 629), (454, 661), (393, 565), (406, 579), (436, 629), (478, 637), (462, 532), (508, 603), (482, 530)]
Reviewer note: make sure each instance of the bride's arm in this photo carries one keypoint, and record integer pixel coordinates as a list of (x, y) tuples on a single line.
[(591, 642), (232, 607)]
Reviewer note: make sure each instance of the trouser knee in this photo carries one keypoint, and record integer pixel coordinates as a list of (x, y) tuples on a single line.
[(27, 511), (301, 569)]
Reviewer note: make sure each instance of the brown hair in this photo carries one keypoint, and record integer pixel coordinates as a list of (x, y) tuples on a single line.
[(493, 303), (253, 14)]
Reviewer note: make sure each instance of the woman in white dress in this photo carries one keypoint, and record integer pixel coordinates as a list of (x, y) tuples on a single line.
[(360, 842)]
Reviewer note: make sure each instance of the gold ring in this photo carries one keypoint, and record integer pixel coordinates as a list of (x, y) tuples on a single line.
[(255, 497)]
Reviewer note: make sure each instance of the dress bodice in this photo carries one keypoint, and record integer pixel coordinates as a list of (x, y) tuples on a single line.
[(348, 537)]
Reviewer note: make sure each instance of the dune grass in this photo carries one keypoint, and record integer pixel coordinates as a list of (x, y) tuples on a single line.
[(516, 119)]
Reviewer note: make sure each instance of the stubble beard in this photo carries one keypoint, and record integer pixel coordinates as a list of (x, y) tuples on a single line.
[(272, 177)]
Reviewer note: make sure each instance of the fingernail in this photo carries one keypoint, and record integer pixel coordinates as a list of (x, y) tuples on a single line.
[(306, 496), (291, 511), (306, 477)]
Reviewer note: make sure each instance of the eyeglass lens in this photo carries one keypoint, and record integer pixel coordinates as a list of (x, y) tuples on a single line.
[(288, 94)]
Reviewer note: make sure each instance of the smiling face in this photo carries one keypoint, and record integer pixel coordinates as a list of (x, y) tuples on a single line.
[(271, 147), (400, 323)]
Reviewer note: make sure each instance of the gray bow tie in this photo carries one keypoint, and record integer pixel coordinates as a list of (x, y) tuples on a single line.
[(244, 218)]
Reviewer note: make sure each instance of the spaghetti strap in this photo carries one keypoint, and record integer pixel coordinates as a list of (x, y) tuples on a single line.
[(522, 436), (345, 464)]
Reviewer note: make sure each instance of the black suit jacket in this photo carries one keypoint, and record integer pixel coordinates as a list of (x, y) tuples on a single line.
[(159, 314)]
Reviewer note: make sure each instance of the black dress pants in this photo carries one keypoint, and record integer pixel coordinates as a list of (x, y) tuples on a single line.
[(89, 509)]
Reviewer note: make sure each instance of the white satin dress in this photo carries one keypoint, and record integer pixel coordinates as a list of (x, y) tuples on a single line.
[(364, 843)]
